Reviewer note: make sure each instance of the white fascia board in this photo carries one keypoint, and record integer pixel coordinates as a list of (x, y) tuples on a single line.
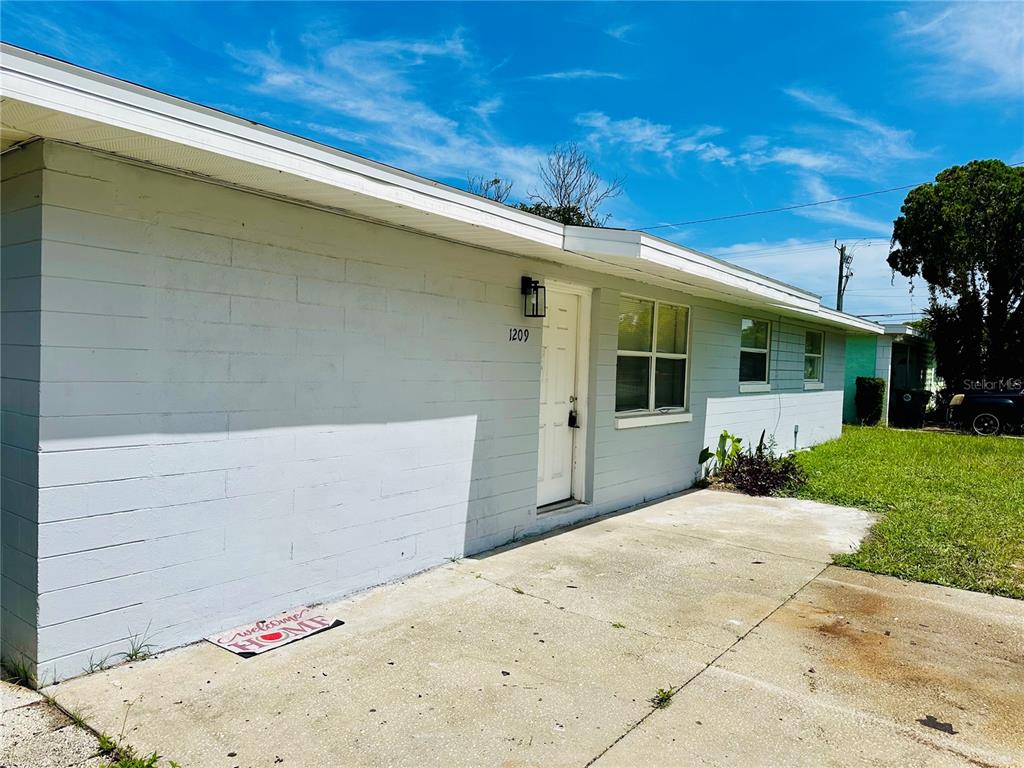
[(851, 323), (639, 247), (735, 284), (899, 329), (65, 88)]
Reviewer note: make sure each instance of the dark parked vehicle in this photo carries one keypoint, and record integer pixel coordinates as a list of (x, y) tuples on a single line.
[(988, 413)]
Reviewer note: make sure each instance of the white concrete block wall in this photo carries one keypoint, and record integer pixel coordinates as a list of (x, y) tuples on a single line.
[(246, 404), (817, 413), (20, 231)]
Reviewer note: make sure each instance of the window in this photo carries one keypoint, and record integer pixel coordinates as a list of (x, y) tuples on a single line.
[(814, 345), (755, 337), (650, 374)]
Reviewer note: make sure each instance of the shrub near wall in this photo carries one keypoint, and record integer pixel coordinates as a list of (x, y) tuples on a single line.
[(870, 399)]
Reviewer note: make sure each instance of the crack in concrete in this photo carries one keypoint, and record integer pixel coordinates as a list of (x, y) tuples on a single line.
[(563, 609), (707, 666)]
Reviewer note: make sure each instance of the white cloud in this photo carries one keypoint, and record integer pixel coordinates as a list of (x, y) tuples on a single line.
[(858, 150), (804, 159), (638, 135), (977, 49), (620, 31), (814, 188), (373, 90), (579, 74), (871, 140)]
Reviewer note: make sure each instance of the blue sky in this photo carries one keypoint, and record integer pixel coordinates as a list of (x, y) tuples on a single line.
[(705, 109)]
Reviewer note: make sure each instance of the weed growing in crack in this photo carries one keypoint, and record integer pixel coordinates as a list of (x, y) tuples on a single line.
[(138, 647), (662, 698), (618, 625)]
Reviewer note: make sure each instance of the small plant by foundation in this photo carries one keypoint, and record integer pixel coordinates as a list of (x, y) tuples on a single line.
[(662, 698), (138, 647), (97, 665), (19, 672)]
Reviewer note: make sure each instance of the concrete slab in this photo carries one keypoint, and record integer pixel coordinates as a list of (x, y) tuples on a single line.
[(431, 671), (39, 736), (856, 669), (909, 653), (792, 527), (725, 719), (652, 579), (548, 653), (12, 696)]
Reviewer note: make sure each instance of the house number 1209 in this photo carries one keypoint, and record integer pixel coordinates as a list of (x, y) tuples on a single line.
[(518, 334)]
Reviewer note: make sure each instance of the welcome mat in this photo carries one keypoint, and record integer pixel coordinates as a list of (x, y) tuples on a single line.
[(268, 634)]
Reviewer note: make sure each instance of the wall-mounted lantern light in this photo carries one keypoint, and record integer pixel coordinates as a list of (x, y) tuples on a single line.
[(535, 298)]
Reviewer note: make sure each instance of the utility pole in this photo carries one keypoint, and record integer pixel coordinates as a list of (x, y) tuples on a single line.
[(845, 273)]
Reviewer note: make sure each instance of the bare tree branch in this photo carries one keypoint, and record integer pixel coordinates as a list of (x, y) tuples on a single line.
[(569, 181), (493, 188)]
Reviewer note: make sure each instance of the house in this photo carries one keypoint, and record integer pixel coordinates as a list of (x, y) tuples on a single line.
[(904, 358), (243, 371)]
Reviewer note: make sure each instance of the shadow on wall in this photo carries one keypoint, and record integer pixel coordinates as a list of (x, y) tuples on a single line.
[(240, 412), (206, 518)]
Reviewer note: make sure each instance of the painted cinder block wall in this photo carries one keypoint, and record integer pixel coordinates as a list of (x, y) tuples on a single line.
[(20, 243), (246, 404)]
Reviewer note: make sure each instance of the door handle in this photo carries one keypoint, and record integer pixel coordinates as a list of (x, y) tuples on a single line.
[(574, 422)]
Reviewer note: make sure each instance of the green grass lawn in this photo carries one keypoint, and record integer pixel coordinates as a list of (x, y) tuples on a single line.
[(951, 507)]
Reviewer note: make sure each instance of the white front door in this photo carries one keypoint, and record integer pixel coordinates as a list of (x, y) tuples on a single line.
[(558, 362)]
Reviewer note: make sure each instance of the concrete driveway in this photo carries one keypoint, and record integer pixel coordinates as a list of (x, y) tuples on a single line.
[(548, 654)]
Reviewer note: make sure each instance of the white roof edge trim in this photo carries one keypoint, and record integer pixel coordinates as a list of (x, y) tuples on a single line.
[(65, 87), (851, 321)]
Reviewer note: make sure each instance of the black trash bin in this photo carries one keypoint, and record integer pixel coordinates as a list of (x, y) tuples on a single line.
[(908, 407)]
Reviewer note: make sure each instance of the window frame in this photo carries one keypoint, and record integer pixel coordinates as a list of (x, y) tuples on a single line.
[(766, 351), (820, 356), (653, 356)]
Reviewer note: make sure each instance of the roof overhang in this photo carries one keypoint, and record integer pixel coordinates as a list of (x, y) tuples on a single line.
[(41, 97)]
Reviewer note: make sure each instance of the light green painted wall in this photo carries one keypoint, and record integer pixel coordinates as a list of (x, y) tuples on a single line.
[(860, 361)]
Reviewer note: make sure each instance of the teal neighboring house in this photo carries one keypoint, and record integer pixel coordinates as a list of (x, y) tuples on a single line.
[(903, 358)]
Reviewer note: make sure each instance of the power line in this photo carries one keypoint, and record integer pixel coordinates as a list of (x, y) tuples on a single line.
[(891, 314), (783, 208), (770, 252), (779, 246), (797, 206)]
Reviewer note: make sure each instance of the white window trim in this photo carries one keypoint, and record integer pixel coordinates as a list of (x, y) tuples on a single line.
[(809, 383), (654, 354), (650, 419), (753, 385)]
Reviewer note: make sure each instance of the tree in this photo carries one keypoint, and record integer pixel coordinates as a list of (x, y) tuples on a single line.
[(494, 188), (964, 234), (571, 187), (571, 191)]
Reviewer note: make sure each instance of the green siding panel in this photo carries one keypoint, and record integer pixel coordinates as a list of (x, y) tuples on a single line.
[(860, 361)]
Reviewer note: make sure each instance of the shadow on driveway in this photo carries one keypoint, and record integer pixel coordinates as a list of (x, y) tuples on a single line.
[(548, 654)]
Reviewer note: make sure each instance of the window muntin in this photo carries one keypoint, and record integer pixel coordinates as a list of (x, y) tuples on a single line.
[(814, 351), (755, 342), (650, 374)]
